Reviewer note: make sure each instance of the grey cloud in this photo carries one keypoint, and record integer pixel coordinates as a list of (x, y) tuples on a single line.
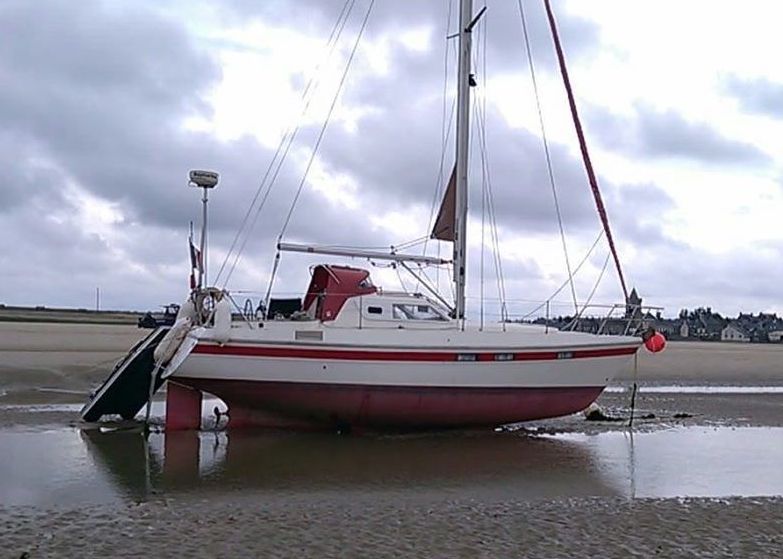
[(668, 135), (100, 94), (681, 276), (759, 95), (636, 212), (95, 94), (394, 157), (504, 39)]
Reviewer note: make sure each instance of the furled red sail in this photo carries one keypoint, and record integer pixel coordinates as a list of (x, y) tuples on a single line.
[(444, 225)]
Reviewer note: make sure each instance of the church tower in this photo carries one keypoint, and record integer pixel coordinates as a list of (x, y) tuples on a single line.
[(633, 305)]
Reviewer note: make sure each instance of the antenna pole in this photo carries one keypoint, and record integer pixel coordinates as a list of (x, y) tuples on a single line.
[(203, 247), (463, 142), (203, 180)]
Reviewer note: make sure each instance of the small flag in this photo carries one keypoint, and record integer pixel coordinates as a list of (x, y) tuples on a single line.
[(195, 258), (196, 263)]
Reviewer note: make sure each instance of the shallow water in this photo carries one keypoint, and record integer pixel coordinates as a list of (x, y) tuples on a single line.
[(66, 466), (698, 389)]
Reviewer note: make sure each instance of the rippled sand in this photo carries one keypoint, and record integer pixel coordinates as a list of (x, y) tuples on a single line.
[(241, 527)]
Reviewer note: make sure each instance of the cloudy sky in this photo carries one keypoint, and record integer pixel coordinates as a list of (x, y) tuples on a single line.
[(105, 106)]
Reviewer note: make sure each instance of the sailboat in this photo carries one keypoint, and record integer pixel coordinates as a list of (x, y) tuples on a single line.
[(350, 354)]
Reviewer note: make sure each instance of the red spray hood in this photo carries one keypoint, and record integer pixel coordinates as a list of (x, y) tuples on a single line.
[(331, 286)]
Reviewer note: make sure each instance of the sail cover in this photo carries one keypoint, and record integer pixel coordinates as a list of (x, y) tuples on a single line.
[(444, 225)]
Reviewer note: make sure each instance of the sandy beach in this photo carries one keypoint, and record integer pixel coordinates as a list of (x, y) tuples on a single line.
[(65, 360), (555, 488)]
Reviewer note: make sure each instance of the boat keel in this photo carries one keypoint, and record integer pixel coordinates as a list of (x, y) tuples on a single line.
[(183, 407)]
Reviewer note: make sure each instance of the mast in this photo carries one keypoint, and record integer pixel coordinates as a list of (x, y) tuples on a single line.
[(463, 141)]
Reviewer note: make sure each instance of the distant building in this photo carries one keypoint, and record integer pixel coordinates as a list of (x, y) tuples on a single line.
[(776, 336), (734, 332), (701, 324), (633, 305), (759, 327)]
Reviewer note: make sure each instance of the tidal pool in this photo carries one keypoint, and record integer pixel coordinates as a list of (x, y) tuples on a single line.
[(72, 466)]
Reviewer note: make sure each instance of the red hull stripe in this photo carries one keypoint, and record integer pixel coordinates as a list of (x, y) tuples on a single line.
[(429, 356)]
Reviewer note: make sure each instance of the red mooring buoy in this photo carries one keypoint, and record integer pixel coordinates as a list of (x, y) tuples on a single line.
[(655, 343)]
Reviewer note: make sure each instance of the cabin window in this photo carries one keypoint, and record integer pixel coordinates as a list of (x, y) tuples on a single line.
[(375, 310), (406, 311)]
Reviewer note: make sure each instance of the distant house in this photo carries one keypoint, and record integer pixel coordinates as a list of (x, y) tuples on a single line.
[(669, 327), (776, 336), (734, 332), (701, 324), (760, 327), (685, 329)]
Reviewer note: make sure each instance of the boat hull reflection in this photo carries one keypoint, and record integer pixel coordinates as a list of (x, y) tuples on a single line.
[(486, 466)]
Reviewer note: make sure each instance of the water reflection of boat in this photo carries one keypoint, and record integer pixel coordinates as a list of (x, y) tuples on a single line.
[(508, 466), (126, 457)]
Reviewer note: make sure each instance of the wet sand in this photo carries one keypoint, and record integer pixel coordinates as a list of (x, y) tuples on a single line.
[(444, 495), (241, 527)]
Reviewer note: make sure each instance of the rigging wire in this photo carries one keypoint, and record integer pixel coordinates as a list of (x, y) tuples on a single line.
[(321, 133), (599, 203), (445, 128), (496, 242), (546, 150), (479, 111), (494, 231), (286, 140), (279, 165), (481, 30), (482, 114), (411, 243), (597, 283), (445, 135), (399, 277), (494, 236), (326, 121), (565, 283), (578, 315)]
